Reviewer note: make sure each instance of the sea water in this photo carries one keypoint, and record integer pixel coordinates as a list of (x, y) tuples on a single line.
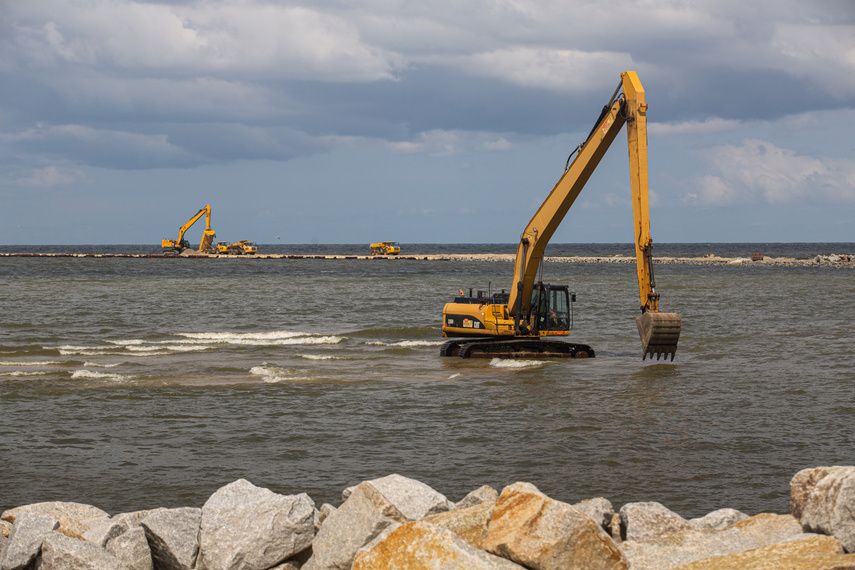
[(138, 383)]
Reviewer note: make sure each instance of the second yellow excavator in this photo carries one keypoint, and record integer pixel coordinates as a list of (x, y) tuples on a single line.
[(520, 323), (180, 244)]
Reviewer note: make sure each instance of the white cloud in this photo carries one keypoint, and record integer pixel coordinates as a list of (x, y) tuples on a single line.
[(51, 176), (500, 144), (554, 69), (436, 143), (761, 171), (199, 38), (822, 53), (711, 125)]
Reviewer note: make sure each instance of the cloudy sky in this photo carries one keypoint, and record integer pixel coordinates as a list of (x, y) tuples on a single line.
[(434, 121)]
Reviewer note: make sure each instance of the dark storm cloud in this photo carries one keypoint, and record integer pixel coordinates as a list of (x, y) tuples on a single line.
[(136, 85)]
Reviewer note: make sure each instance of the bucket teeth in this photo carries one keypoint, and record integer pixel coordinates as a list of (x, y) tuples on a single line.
[(659, 334)]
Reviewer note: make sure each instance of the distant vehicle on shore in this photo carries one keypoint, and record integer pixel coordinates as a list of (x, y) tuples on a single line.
[(243, 247), (385, 248)]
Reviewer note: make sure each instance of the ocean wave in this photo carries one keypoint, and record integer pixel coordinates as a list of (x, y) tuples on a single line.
[(92, 374), (31, 363), (85, 351), (407, 343), (196, 342), (273, 374), (321, 357), (90, 364), (229, 336), (18, 373), (513, 363)]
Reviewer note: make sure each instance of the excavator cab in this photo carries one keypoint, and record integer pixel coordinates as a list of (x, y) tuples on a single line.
[(551, 305)]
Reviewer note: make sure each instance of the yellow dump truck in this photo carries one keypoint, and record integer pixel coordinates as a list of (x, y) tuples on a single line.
[(243, 247), (385, 248)]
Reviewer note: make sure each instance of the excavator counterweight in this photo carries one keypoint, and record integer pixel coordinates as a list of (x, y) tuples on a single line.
[(519, 322)]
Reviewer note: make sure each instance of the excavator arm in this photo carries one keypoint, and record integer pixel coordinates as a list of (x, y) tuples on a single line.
[(207, 236), (659, 331)]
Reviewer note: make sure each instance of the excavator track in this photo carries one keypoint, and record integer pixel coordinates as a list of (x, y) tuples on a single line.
[(516, 348)]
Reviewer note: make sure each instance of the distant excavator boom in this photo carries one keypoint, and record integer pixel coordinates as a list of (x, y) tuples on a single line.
[(206, 243)]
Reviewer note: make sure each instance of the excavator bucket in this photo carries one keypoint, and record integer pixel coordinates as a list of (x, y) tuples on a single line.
[(659, 334)]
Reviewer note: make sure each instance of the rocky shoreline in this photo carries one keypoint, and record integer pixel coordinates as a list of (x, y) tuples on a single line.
[(831, 260), (399, 523)]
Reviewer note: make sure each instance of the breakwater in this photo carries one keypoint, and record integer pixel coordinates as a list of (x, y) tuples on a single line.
[(398, 522), (832, 260)]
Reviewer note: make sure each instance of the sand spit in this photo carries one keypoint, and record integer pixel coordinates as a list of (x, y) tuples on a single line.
[(831, 260)]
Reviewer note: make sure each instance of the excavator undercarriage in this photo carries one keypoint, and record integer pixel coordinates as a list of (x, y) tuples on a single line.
[(515, 348)]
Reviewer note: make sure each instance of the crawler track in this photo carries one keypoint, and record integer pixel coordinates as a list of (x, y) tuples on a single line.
[(515, 348)]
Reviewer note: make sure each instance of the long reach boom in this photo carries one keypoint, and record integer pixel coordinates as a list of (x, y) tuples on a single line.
[(206, 245), (533, 310)]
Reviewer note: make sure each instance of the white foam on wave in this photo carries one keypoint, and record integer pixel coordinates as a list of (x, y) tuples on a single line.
[(407, 343), (30, 363), (17, 373), (170, 348), (274, 374), (275, 338), (85, 351), (95, 375), (90, 364), (320, 357), (229, 336), (513, 363)]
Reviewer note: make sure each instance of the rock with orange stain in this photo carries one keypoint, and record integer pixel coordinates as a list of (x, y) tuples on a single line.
[(422, 546), (469, 523), (810, 553), (544, 534)]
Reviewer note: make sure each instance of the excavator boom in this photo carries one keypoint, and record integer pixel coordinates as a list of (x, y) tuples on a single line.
[(526, 304), (205, 245)]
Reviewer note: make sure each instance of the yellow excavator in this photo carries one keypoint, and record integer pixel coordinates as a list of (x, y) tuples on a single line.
[(520, 323), (205, 246)]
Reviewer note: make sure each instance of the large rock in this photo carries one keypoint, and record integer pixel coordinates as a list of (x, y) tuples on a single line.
[(422, 546), (483, 494), (683, 547), (25, 541), (811, 553), (347, 529), (769, 528), (173, 536), (538, 532), (688, 546), (61, 552), (719, 520), (133, 519), (74, 518), (826, 502), (469, 523), (251, 528), (404, 499), (132, 549), (641, 521), (103, 531), (599, 509)]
